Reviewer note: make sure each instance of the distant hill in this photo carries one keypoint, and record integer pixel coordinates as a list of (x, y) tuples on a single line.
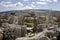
[(37, 11)]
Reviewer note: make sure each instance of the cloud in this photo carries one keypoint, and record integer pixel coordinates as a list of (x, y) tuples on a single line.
[(43, 3), (19, 4), (42, 0), (25, 0), (55, 0), (10, 4), (33, 5), (15, 6), (3, 2), (28, 7), (48, 0)]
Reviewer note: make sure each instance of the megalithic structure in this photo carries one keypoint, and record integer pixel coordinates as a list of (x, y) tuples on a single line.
[(49, 17), (35, 21), (21, 19), (58, 19)]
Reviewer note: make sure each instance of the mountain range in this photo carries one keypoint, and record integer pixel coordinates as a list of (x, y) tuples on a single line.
[(37, 11)]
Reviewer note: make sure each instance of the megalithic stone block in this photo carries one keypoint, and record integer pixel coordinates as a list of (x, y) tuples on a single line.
[(44, 38), (19, 30), (23, 30), (5, 25), (26, 38), (1, 35), (16, 29), (54, 38)]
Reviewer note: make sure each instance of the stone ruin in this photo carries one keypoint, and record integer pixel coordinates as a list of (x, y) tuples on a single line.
[(19, 32), (1, 36), (12, 30)]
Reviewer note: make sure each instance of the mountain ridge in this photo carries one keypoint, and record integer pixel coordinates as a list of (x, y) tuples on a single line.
[(39, 11)]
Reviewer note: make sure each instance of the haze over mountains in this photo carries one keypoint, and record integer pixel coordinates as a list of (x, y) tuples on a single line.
[(38, 11)]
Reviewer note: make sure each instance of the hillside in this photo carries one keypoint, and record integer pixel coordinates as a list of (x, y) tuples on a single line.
[(37, 11)]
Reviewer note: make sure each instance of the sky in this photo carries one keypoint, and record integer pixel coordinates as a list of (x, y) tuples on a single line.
[(7, 5)]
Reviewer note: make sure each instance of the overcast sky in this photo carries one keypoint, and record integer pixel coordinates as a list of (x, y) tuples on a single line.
[(29, 4)]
